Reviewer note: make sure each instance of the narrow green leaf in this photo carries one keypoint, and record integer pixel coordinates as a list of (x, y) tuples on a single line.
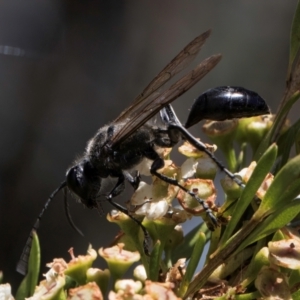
[(295, 38), (281, 114), (29, 282), (155, 259), (283, 179), (278, 236), (285, 143), (261, 170), (296, 295), (190, 239), (34, 262), (214, 241), (242, 158), (258, 261), (272, 223), (294, 278), (193, 263), (289, 194), (248, 296)]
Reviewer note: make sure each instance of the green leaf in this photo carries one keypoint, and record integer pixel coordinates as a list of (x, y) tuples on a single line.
[(280, 184), (29, 282), (190, 239), (289, 194), (214, 241), (285, 143), (294, 277), (258, 261), (279, 117), (296, 295), (295, 39), (272, 223), (193, 263), (278, 236), (261, 170), (155, 259)]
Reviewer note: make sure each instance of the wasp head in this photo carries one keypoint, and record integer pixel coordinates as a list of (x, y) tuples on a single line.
[(84, 181)]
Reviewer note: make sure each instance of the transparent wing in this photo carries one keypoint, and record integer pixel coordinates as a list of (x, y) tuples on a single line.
[(137, 116), (177, 64)]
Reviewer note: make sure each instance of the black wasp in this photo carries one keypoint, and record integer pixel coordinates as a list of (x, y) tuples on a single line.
[(119, 147)]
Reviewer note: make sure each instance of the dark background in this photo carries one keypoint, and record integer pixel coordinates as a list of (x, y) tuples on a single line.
[(82, 63)]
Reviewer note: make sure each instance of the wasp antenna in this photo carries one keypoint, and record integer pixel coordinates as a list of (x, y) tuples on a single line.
[(99, 208), (68, 215), (22, 265)]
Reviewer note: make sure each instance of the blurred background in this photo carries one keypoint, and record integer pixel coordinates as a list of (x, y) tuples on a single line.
[(69, 67)]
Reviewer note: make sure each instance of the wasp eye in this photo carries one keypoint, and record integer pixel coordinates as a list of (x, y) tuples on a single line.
[(82, 181), (76, 180)]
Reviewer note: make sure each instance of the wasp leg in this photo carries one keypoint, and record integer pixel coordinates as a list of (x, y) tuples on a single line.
[(133, 180), (146, 234), (174, 127), (157, 164), (118, 188), (200, 146)]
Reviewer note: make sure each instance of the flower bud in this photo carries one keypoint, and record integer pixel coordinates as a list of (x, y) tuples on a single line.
[(118, 259), (231, 188), (160, 229), (162, 291), (129, 286), (153, 201), (176, 238), (190, 151), (88, 291), (252, 130), (101, 277), (246, 173), (272, 284), (222, 133), (139, 273), (285, 253), (52, 287), (203, 167), (132, 235), (78, 266), (203, 188)]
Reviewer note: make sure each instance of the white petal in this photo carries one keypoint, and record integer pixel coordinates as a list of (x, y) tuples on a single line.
[(128, 285), (188, 168), (157, 210), (140, 273), (5, 292), (142, 194), (144, 167), (142, 211)]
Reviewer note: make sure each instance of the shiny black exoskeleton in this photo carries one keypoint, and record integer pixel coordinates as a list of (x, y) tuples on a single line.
[(226, 102)]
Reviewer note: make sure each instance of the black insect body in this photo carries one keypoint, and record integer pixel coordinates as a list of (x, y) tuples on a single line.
[(226, 102), (120, 147)]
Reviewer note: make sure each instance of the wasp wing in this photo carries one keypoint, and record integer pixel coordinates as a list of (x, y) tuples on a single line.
[(177, 64), (148, 109)]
